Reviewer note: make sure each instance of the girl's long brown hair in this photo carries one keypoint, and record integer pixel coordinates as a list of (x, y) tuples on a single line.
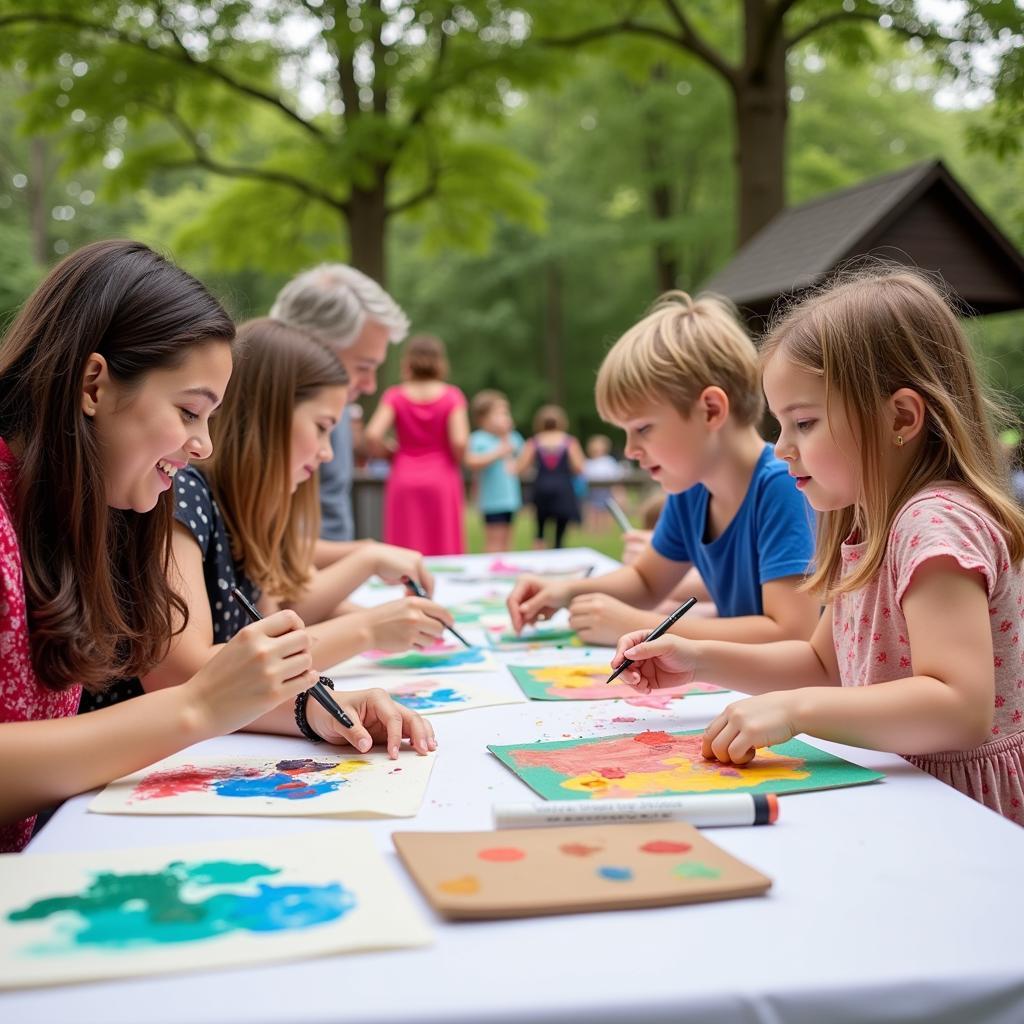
[(867, 335), (96, 584), (272, 530)]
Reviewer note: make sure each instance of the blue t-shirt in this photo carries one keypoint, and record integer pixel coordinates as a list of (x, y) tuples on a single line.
[(499, 489), (771, 536)]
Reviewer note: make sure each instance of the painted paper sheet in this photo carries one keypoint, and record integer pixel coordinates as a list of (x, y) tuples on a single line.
[(657, 763), (430, 695), (443, 656), (530, 871), (504, 569), (326, 785), (533, 638), (488, 608), (71, 917), (587, 682)]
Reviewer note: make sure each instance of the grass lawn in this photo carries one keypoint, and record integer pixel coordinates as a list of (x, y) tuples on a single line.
[(608, 541)]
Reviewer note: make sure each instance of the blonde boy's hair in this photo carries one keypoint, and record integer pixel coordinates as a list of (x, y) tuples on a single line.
[(867, 335), (681, 347)]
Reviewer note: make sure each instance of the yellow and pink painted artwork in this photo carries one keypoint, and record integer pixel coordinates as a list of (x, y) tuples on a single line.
[(659, 763), (587, 682)]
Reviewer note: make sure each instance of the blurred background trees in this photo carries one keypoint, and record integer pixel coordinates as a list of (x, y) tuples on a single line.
[(525, 177)]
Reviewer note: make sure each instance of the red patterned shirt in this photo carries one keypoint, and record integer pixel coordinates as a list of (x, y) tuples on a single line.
[(22, 696)]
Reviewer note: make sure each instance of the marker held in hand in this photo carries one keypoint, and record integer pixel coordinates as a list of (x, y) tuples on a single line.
[(659, 630)]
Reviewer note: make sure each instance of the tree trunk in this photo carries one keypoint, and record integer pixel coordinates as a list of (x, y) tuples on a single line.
[(366, 216), (38, 214), (553, 362), (659, 193), (760, 103)]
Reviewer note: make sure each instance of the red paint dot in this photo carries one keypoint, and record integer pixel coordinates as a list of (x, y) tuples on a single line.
[(501, 854), (665, 846), (579, 849)]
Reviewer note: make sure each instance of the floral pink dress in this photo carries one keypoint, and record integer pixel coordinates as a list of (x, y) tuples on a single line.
[(22, 696), (870, 633), (423, 504)]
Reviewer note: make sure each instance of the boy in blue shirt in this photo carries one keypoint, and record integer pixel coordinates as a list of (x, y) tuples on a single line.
[(491, 453), (684, 384)]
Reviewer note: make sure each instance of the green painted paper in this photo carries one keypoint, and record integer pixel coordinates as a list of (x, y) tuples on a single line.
[(555, 637), (657, 763)]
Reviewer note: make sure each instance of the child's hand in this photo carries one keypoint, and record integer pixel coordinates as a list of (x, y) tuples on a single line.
[(600, 619), (262, 665), (633, 543), (410, 622), (377, 718), (667, 661), (534, 598), (391, 563), (734, 736)]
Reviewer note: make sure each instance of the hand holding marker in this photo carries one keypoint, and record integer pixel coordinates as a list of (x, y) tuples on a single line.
[(318, 691), (658, 631), (417, 591)]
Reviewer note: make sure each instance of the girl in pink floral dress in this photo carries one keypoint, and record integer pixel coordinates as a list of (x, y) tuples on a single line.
[(920, 651)]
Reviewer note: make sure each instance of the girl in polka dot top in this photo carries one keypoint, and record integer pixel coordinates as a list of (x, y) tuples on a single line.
[(249, 518), (920, 651)]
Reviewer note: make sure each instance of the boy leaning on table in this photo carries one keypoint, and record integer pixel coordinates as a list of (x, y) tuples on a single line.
[(684, 384)]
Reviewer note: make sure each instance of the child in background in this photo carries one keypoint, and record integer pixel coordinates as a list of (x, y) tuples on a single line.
[(557, 459), (685, 385), (251, 518), (491, 454), (108, 378), (599, 470), (886, 428)]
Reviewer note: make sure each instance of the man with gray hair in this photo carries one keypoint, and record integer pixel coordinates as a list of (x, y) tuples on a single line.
[(356, 319)]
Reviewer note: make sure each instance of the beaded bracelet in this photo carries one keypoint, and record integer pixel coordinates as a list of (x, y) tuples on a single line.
[(300, 714)]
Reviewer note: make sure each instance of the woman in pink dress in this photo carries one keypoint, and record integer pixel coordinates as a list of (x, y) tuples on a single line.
[(423, 505)]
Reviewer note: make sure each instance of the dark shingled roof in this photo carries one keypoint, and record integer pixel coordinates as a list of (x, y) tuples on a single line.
[(920, 216)]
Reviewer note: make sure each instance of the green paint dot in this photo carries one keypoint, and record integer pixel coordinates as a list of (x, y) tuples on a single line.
[(694, 869)]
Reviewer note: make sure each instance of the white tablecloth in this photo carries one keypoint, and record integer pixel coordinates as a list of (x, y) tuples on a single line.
[(899, 901)]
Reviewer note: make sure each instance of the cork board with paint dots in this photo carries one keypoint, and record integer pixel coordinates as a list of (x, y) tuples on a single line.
[(658, 763), (535, 871), (588, 682)]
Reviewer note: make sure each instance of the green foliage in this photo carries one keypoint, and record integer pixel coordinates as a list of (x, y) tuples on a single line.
[(539, 194), (344, 107)]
